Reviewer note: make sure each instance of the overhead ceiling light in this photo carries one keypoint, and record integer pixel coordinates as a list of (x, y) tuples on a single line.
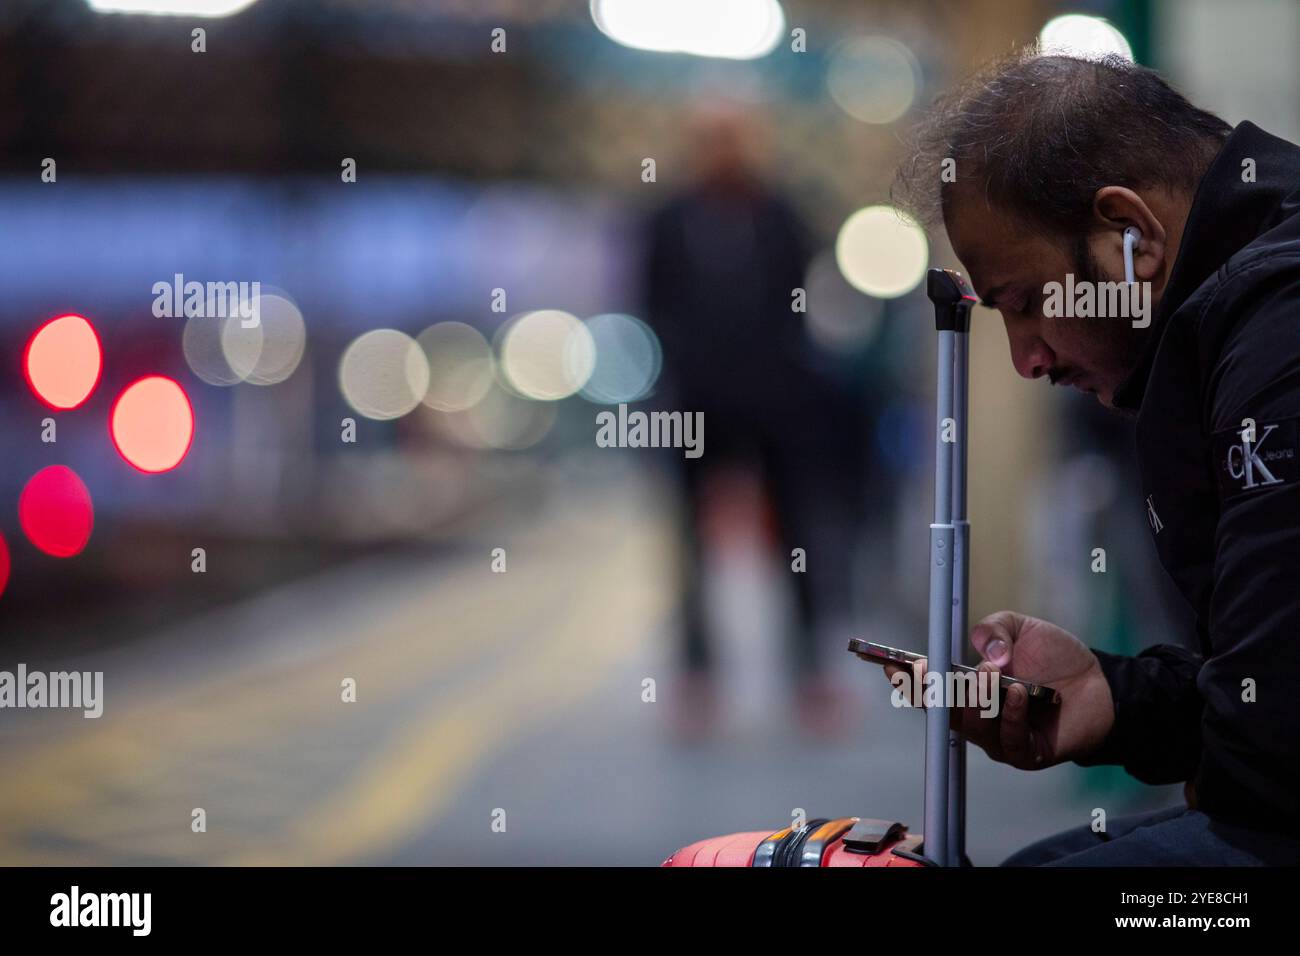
[(729, 29), (174, 8)]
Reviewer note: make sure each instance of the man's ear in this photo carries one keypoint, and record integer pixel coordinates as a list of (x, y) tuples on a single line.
[(1114, 208)]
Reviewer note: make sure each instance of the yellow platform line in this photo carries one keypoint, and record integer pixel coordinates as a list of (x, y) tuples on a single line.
[(420, 772)]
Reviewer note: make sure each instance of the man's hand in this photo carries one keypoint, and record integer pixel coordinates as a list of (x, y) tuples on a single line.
[(1041, 653)]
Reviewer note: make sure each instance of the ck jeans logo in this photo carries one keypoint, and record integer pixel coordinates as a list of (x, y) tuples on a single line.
[(1243, 465), (1246, 462)]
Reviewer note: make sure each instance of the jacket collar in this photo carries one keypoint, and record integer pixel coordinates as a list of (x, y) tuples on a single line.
[(1226, 215)]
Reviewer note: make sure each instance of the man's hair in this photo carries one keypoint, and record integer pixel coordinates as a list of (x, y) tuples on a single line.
[(1038, 135)]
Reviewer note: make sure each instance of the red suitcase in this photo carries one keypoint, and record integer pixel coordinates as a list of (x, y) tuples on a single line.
[(852, 841), (848, 841)]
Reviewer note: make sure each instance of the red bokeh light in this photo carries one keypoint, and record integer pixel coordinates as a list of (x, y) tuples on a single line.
[(4, 563), (152, 423), (56, 512), (62, 361)]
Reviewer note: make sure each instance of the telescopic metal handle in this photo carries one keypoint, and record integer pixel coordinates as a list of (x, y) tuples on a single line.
[(949, 542)]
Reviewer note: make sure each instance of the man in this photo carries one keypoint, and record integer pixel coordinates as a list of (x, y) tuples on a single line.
[(1054, 159)]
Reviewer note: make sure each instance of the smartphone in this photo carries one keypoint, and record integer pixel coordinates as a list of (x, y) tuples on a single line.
[(1039, 694)]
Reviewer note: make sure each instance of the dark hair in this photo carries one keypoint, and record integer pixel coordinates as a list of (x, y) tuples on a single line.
[(1038, 135)]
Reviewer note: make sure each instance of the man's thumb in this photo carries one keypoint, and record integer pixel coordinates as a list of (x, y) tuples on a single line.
[(992, 637)]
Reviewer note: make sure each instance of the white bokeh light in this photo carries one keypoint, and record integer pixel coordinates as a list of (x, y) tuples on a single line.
[(874, 79), (882, 252), (222, 350), (1080, 35), (839, 318), (267, 353), (546, 355), (383, 374), (202, 346), (460, 366), (628, 359)]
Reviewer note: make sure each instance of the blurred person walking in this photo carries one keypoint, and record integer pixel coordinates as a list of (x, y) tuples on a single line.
[(725, 257)]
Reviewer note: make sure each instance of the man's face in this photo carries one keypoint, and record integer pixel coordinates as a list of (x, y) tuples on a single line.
[(1009, 265)]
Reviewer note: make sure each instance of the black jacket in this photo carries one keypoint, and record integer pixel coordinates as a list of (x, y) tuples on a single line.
[(1223, 505)]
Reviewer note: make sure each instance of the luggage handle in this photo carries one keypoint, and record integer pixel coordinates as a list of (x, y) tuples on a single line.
[(872, 836), (945, 751)]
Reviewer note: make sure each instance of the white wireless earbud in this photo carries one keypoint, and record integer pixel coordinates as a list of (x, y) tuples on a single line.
[(1132, 236)]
